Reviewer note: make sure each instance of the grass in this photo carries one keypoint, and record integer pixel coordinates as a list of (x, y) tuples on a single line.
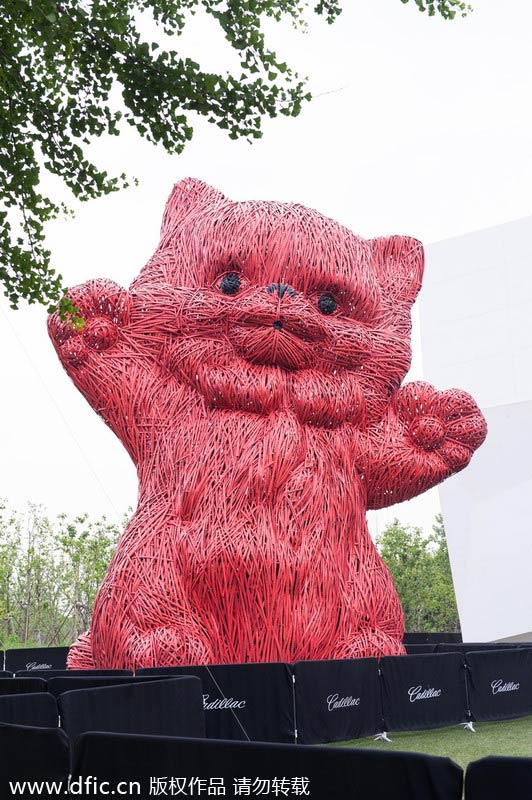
[(505, 738)]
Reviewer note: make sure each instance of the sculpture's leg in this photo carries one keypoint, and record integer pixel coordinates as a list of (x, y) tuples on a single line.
[(80, 654), (159, 647), (168, 646), (369, 643), (146, 624), (373, 624), (163, 646)]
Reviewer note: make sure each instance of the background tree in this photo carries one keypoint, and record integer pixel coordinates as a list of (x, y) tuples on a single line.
[(60, 61), (421, 571), (50, 571), (84, 550)]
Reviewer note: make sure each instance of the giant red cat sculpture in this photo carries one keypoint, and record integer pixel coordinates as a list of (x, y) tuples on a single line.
[(253, 373)]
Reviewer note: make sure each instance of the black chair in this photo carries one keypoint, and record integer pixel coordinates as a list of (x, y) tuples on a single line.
[(22, 685), (337, 701), (171, 707), (70, 673), (419, 649), (36, 658), (468, 647), (327, 773), (499, 684), (418, 637), (243, 701), (423, 691), (498, 778), (29, 753), (57, 686), (37, 709)]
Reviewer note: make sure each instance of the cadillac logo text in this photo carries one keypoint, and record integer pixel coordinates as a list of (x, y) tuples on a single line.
[(334, 701), (418, 693), (499, 686), (221, 703)]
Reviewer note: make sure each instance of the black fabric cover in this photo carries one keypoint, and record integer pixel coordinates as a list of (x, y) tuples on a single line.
[(499, 778), (22, 685), (71, 673), (28, 753), (419, 649), (36, 658), (500, 684), (337, 700), (243, 701), (467, 647), (333, 773), (426, 691), (57, 686), (39, 710), (420, 637), (166, 708)]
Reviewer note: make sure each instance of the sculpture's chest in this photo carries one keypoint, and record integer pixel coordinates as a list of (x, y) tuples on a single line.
[(236, 465)]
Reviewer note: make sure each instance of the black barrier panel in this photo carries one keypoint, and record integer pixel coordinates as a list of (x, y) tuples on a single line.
[(167, 707), (72, 673), (57, 686), (27, 753), (36, 658), (419, 649), (500, 684), (497, 777), (39, 709), (192, 767), (467, 647), (22, 685), (421, 637), (421, 692), (242, 701), (5, 674), (337, 700), (2, 659)]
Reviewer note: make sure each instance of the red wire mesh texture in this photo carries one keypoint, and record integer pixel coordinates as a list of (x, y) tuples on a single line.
[(253, 373)]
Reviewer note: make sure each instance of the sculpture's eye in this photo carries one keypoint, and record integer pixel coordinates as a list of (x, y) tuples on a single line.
[(230, 283), (327, 304)]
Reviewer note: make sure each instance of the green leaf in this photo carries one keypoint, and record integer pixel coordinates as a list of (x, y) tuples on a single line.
[(66, 64)]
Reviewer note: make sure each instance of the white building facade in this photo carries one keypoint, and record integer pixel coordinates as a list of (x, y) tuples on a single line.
[(476, 334)]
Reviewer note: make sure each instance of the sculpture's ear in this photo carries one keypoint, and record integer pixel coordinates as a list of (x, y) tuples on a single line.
[(188, 195), (398, 262)]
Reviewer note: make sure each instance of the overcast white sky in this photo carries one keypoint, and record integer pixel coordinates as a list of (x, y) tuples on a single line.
[(418, 126)]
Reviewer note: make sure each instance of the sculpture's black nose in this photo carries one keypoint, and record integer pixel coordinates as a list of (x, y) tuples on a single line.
[(281, 288)]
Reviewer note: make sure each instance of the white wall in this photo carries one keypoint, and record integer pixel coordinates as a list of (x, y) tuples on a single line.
[(476, 334)]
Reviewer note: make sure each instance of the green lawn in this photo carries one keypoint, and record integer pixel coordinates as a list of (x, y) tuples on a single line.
[(506, 738)]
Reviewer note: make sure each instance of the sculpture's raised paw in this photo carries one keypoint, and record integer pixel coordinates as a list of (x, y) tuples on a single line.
[(105, 308), (448, 422)]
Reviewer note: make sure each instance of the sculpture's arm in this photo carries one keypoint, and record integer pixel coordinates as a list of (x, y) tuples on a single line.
[(426, 437), (108, 362)]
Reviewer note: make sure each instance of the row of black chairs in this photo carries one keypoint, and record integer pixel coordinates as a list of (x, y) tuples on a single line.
[(310, 702), (104, 764), (66, 682), (172, 707), (19, 658), (54, 658)]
